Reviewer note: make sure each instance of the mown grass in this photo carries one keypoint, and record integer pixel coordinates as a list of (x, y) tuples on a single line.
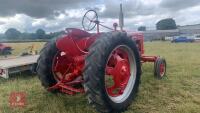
[(179, 92)]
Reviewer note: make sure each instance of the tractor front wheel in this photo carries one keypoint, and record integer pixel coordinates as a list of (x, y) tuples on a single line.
[(160, 68), (112, 72)]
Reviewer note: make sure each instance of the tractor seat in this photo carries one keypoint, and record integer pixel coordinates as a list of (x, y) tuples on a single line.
[(78, 33)]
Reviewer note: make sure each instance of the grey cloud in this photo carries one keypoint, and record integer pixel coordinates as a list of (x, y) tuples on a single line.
[(38, 8), (137, 7), (135, 11), (1, 23), (131, 8), (50, 26), (178, 4)]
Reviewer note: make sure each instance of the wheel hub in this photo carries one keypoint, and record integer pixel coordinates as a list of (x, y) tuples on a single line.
[(118, 72)]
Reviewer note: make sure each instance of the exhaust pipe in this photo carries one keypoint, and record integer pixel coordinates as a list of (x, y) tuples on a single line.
[(121, 18)]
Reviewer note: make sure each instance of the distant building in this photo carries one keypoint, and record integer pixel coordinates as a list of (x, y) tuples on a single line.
[(159, 34), (189, 29), (195, 26), (181, 30)]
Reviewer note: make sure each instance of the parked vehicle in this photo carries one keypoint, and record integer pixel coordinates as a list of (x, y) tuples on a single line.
[(169, 38), (182, 39), (5, 50), (197, 37)]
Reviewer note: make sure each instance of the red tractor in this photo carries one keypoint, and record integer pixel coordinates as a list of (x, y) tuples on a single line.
[(105, 66), (5, 50)]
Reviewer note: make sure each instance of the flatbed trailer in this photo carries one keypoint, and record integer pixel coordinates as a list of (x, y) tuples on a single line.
[(15, 65)]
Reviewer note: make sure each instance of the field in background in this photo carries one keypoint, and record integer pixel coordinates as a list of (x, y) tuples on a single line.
[(179, 92), (21, 47)]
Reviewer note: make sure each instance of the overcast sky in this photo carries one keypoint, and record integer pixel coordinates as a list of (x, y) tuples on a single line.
[(55, 15)]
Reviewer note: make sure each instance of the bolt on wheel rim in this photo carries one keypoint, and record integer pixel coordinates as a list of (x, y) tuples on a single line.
[(120, 73)]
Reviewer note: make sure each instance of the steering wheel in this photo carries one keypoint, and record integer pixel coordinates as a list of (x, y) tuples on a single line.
[(89, 20)]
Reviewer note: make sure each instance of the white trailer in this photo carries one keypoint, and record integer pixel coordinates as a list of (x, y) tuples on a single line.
[(14, 65)]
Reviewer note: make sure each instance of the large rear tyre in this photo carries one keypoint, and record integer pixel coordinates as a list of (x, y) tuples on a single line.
[(44, 65), (114, 56)]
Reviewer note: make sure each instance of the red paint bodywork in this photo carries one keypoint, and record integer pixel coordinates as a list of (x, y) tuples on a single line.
[(139, 39), (75, 45), (3, 46)]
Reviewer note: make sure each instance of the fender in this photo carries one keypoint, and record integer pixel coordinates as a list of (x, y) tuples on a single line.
[(76, 42)]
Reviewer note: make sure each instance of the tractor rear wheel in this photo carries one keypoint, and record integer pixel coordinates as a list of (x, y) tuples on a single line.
[(44, 65), (160, 68), (112, 72)]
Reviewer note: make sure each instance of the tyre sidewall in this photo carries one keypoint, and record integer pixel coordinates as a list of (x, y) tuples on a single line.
[(44, 64)]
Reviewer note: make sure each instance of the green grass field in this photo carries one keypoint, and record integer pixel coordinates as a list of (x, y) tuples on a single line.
[(179, 92)]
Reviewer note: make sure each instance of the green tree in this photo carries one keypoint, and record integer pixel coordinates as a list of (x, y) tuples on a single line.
[(40, 33), (12, 33), (166, 24), (142, 28)]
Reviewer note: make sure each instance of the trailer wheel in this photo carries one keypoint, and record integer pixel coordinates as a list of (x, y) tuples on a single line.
[(44, 65), (160, 68), (112, 72)]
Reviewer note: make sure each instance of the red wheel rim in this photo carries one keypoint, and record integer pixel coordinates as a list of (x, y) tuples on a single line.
[(120, 73), (61, 66), (162, 69)]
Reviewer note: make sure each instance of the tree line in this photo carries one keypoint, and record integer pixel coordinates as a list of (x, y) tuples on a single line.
[(14, 34)]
